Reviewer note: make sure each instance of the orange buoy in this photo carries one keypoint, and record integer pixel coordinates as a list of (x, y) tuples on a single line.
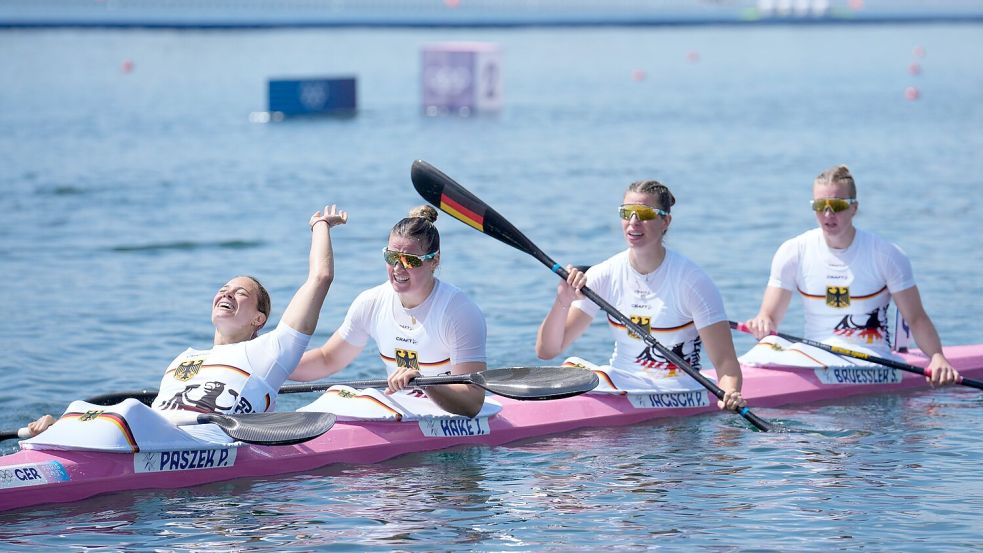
[(911, 94)]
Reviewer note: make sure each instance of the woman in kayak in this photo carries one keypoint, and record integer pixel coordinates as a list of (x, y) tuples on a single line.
[(421, 324), (658, 288), (243, 371), (847, 277)]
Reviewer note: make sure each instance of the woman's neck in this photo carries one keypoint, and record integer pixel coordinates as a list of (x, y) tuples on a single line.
[(410, 300), (233, 338), (647, 260), (842, 240)]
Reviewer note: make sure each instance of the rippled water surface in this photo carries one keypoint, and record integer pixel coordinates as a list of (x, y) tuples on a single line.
[(129, 197)]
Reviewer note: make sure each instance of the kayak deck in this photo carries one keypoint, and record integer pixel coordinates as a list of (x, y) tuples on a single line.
[(34, 477)]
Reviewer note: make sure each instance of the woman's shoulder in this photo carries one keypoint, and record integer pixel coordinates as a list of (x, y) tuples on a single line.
[(684, 264), (374, 294)]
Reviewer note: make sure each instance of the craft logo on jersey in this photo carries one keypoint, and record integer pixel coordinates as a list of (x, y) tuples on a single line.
[(642, 321), (90, 415), (407, 358), (838, 296), (187, 370)]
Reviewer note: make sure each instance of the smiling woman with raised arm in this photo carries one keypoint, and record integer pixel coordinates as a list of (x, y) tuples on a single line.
[(421, 325), (847, 277), (242, 371), (659, 289)]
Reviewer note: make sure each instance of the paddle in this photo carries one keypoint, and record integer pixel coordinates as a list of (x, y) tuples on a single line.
[(443, 192), (859, 355), (526, 383), (254, 428), (533, 383)]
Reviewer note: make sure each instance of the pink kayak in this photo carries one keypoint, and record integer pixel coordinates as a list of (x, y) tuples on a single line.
[(35, 477)]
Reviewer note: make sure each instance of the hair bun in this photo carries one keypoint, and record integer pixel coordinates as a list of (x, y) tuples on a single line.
[(424, 212)]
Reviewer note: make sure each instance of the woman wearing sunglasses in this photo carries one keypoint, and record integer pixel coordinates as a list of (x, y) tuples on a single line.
[(847, 277), (656, 287), (420, 324)]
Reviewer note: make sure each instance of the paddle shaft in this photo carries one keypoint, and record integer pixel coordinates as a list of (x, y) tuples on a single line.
[(464, 206), (859, 355), (147, 396)]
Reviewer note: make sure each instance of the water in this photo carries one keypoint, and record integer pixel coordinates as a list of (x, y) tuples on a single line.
[(129, 198)]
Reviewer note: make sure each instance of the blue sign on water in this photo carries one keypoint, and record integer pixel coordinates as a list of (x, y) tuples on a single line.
[(312, 96)]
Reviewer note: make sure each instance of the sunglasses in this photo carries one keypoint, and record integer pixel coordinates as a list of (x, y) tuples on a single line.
[(642, 211), (407, 260), (835, 204)]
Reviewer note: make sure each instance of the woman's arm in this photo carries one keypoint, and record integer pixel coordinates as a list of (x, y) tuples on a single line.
[(460, 399), (909, 302), (302, 312), (773, 307), (562, 325), (720, 349), (334, 355)]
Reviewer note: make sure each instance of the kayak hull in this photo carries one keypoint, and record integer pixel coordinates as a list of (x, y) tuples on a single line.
[(35, 477)]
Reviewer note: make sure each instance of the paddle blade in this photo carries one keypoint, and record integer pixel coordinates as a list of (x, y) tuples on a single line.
[(536, 382), (452, 198), (272, 428)]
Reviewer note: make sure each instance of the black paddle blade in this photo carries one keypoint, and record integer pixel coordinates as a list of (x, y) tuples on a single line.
[(452, 198), (272, 428), (536, 382)]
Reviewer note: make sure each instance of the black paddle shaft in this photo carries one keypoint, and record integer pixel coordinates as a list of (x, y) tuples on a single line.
[(859, 355), (444, 192)]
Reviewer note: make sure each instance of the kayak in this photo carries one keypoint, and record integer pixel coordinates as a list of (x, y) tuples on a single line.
[(33, 477)]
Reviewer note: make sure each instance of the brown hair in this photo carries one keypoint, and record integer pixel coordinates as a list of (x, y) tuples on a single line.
[(657, 189), (837, 175), (420, 225), (263, 302)]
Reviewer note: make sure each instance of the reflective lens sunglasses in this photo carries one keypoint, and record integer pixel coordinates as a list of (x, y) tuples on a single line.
[(642, 211), (835, 204), (407, 260)]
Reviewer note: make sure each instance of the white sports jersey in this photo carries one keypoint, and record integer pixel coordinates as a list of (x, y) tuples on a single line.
[(673, 302), (443, 331), (232, 378), (846, 292)]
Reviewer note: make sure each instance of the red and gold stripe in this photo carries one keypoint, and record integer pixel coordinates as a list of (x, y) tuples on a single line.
[(461, 213), (422, 364), (613, 322), (347, 395), (823, 296), (115, 419)]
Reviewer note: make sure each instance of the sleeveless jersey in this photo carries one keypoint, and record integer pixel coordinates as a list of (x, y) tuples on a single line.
[(443, 331), (232, 378), (846, 293), (673, 303)]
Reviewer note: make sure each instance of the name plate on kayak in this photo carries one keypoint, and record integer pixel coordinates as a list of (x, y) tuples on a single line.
[(859, 375), (454, 427), (669, 400), (183, 459), (32, 474)]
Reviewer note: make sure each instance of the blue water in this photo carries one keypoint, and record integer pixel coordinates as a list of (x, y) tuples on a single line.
[(130, 197)]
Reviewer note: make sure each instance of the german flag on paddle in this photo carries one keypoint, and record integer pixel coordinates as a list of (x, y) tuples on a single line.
[(462, 212)]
